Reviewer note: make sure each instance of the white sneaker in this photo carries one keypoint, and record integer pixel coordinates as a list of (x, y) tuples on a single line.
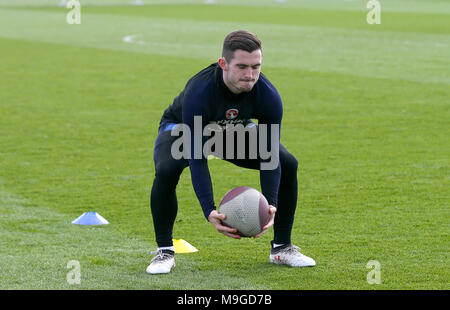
[(163, 262), (290, 255)]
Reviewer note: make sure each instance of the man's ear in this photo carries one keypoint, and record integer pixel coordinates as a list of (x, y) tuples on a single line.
[(223, 63)]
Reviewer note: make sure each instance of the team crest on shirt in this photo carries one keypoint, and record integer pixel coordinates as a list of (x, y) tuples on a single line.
[(231, 113)]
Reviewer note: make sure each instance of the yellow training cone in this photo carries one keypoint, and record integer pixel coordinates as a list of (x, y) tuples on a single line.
[(182, 246)]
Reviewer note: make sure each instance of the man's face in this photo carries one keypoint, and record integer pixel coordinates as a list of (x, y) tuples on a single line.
[(241, 74)]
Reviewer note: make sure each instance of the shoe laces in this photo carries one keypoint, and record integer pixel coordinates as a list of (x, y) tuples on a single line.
[(294, 249), (160, 256)]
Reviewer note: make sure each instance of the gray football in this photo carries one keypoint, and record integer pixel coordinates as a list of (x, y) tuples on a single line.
[(246, 209)]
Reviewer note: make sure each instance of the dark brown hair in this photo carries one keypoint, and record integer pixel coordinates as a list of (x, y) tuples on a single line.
[(239, 40)]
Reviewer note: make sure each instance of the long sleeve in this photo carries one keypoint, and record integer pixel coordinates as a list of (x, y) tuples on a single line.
[(195, 116), (270, 169)]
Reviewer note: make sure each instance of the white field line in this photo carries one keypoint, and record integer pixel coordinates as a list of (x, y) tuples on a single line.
[(131, 39)]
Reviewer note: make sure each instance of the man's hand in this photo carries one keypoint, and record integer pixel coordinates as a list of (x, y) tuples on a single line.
[(272, 211), (216, 219)]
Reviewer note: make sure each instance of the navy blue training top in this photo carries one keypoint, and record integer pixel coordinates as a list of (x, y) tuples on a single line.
[(206, 95)]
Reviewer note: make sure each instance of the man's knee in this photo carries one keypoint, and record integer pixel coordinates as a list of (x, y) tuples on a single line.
[(289, 165), (169, 173)]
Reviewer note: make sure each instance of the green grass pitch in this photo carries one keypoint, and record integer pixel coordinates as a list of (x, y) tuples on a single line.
[(366, 112)]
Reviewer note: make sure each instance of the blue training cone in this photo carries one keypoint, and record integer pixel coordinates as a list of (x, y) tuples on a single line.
[(90, 218)]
